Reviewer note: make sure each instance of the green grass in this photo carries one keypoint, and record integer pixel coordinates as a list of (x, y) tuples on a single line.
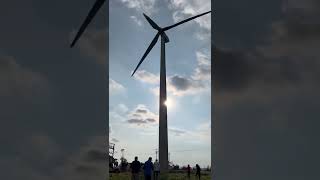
[(172, 176)]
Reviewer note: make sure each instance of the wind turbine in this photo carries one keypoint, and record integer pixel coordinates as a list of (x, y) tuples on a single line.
[(163, 129), (163, 125)]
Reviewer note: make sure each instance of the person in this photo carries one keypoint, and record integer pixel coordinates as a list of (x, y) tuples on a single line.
[(198, 171), (135, 169), (148, 168), (189, 171), (156, 169)]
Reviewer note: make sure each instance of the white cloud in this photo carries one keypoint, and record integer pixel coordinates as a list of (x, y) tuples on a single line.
[(115, 87), (139, 115), (147, 6), (147, 77), (136, 20), (186, 8), (183, 9), (203, 70), (142, 115), (203, 35)]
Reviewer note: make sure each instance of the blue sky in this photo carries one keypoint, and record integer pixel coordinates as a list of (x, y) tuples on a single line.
[(135, 99)]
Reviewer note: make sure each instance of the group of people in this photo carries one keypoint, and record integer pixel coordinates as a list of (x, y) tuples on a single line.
[(198, 170), (150, 168)]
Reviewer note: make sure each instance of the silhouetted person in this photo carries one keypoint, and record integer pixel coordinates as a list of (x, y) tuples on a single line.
[(156, 166), (198, 171), (135, 169), (188, 171), (148, 168)]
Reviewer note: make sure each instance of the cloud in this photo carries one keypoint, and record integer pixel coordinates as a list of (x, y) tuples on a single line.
[(136, 20), (24, 95), (200, 133), (93, 43), (85, 163), (42, 155), (295, 35), (151, 120), (141, 115), (245, 76), (116, 88), (147, 77), (147, 6), (179, 85), (177, 131), (237, 71), (184, 9), (137, 121), (203, 70), (18, 81), (141, 111), (233, 70), (43, 150), (287, 59), (272, 91), (115, 140)]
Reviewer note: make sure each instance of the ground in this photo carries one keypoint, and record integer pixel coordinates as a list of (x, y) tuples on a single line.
[(172, 176)]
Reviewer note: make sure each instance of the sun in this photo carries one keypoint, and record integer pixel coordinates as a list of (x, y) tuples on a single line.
[(169, 103)]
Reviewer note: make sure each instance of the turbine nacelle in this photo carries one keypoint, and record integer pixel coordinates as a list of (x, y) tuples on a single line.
[(158, 28)]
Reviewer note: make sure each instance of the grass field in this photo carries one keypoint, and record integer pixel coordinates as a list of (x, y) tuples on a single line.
[(172, 176)]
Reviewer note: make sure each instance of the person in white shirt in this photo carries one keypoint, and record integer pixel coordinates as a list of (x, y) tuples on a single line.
[(156, 166)]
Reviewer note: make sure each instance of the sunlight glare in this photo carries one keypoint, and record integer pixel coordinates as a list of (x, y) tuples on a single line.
[(169, 103)]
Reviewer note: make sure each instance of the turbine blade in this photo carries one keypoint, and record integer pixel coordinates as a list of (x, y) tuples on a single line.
[(152, 23), (153, 42), (186, 20), (88, 19), (166, 38)]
